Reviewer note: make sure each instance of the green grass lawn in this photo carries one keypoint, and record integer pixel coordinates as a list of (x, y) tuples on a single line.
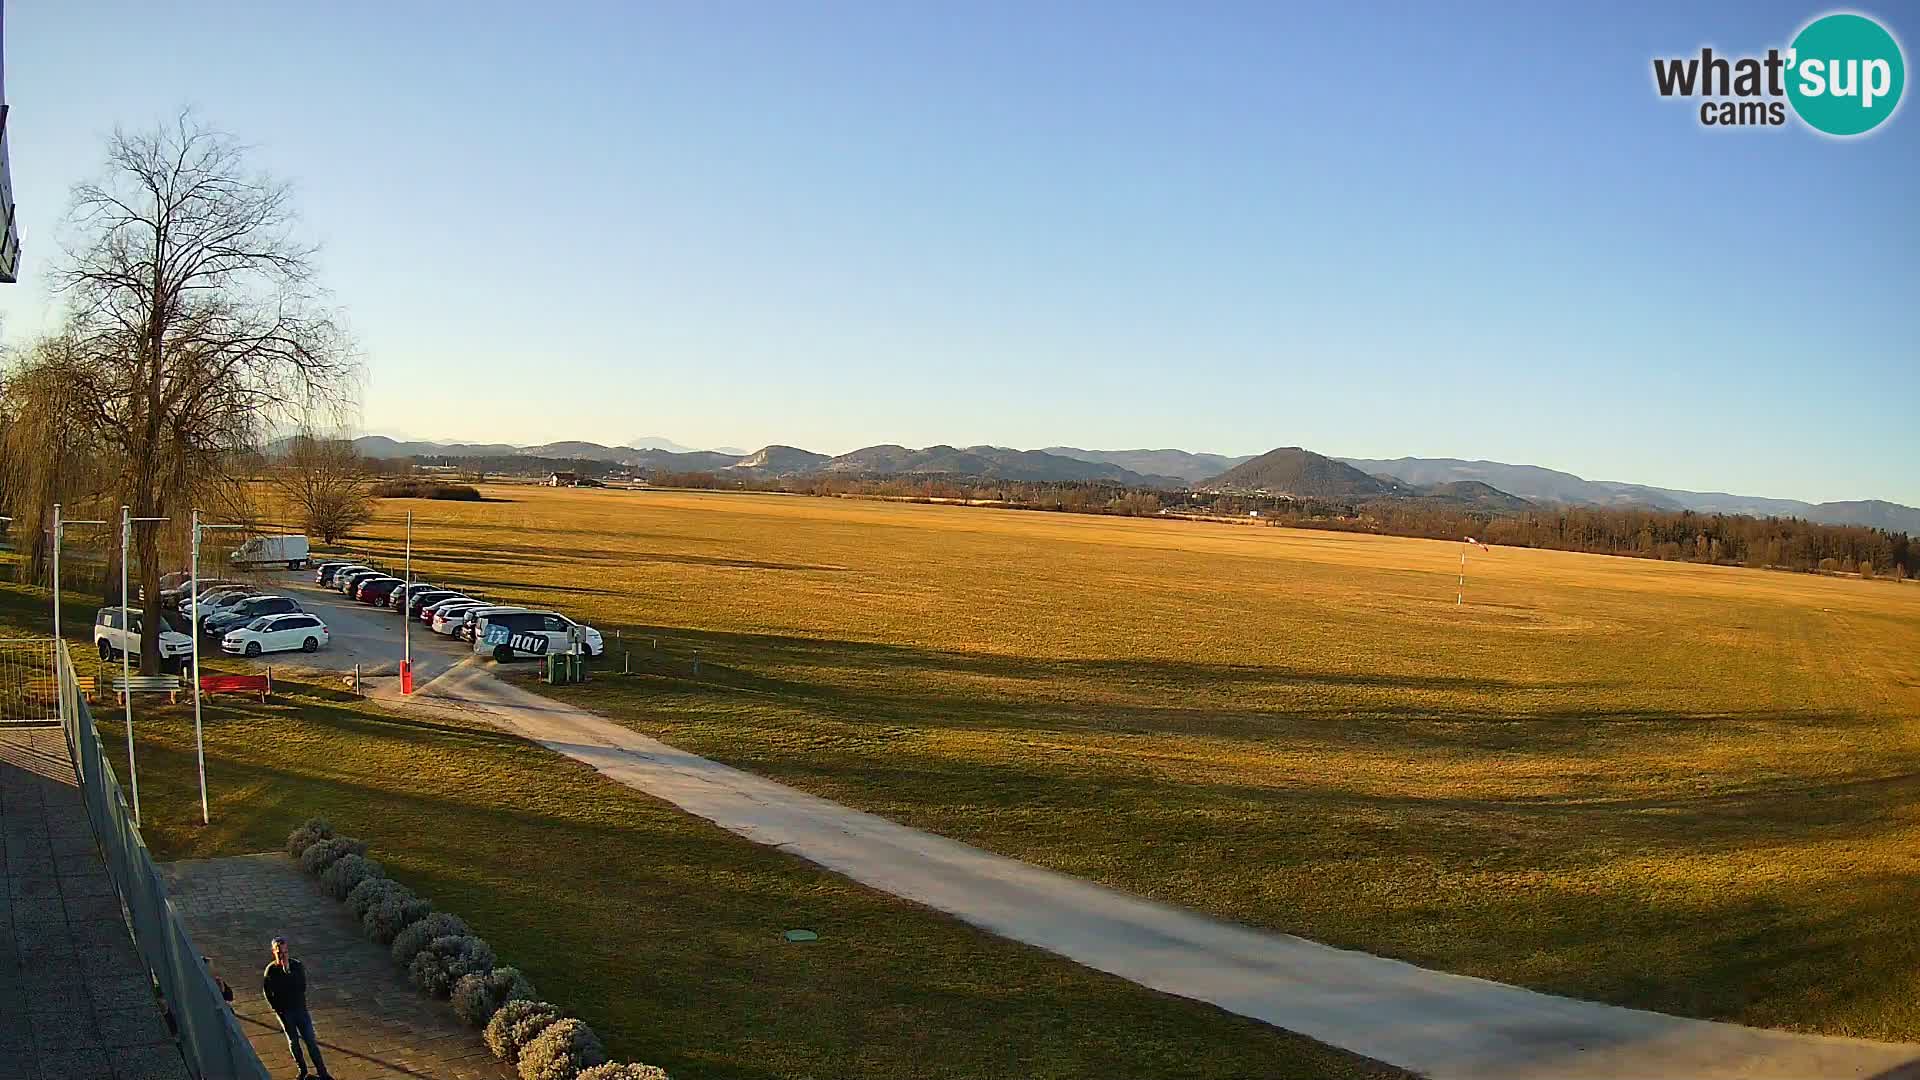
[(662, 931)]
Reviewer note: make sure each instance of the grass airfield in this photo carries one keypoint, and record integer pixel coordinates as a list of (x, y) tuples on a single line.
[(1681, 787)]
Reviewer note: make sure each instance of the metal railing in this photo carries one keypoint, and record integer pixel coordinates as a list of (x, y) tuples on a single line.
[(210, 1036), (29, 692)]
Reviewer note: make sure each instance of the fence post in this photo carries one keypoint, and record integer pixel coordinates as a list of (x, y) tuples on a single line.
[(696, 661)]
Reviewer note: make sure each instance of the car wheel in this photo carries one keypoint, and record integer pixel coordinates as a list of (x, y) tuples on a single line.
[(253, 648), (310, 645), (502, 653), (106, 650)]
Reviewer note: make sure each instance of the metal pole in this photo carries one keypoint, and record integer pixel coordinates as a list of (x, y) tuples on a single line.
[(199, 746), (58, 527), (126, 663), (406, 623), (1462, 597)]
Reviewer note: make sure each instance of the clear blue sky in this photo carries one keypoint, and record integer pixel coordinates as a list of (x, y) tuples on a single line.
[(1371, 230)]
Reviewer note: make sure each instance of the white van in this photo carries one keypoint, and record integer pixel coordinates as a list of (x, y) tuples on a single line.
[(505, 635), (292, 552)]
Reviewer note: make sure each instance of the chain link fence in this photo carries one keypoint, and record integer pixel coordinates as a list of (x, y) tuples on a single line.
[(210, 1036)]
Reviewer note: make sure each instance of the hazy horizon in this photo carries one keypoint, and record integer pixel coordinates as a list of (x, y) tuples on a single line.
[(836, 450)]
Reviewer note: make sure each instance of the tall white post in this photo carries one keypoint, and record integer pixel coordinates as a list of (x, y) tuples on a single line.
[(126, 660), (199, 747), (406, 619), (58, 527), (1462, 597)]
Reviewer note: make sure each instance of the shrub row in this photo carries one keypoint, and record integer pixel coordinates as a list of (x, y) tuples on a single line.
[(445, 959), (424, 489)]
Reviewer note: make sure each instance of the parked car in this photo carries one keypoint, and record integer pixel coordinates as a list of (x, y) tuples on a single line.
[(465, 631), (276, 633), (506, 635), (324, 571), (168, 583), (293, 552), (450, 619), (244, 612), (397, 599), (374, 590), (173, 597), (111, 638), (329, 574), (428, 609), (420, 598), (347, 579), (216, 599)]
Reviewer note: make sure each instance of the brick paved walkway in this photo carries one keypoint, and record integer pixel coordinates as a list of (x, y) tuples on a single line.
[(75, 1001), (373, 1024)]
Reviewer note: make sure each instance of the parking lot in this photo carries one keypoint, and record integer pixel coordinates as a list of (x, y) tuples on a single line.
[(367, 636)]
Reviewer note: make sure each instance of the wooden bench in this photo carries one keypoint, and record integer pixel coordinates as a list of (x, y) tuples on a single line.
[(169, 685), (238, 684)]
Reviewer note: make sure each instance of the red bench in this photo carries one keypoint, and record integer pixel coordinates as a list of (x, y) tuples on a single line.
[(238, 684)]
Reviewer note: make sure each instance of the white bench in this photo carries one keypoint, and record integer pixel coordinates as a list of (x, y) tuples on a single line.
[(169, 685)]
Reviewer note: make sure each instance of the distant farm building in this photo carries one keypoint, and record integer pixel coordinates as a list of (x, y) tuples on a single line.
[(562, 479)]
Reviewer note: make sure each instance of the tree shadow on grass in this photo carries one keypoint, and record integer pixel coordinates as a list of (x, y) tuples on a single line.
[(707, 981), (1775, 955)]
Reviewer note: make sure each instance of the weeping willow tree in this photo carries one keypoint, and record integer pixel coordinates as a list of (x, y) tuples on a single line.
[(193, 328), (49, 453)]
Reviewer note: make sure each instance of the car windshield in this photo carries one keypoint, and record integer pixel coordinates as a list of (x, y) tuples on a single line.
[(260, 623)]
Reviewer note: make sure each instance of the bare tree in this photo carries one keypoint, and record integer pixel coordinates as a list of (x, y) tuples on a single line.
[(195, 319), (329, 482)]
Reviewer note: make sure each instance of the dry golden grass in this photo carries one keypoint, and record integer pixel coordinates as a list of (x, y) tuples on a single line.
[(660, 929), (1688, 788)]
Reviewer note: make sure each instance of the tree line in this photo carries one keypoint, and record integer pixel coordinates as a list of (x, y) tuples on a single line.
[(1776, 543)]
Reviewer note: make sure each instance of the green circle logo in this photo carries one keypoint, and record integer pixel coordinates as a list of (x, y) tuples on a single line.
[(1845, 74)]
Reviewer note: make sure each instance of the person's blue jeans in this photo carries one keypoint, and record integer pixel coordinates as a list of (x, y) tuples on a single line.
[(298, 1024)]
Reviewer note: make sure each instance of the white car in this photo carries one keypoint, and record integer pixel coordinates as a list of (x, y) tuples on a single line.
[(505, 635), (112, 639), (213, 599), (463, 622), (448, 619), (277, 633)]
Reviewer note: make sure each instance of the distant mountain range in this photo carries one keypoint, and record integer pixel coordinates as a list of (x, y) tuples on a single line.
[(1551, 486), (1179, 464), (1488, 485), (991, 462)]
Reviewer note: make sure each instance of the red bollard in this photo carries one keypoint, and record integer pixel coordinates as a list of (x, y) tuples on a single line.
[(406, 676)]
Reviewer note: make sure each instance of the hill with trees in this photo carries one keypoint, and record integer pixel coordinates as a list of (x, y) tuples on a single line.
[(1303, 474)]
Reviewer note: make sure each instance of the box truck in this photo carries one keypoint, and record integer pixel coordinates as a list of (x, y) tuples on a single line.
[(289, 551)]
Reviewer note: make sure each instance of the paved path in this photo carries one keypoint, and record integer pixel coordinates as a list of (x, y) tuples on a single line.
[(1444, 1026), (373, 1023), (76, 1003)]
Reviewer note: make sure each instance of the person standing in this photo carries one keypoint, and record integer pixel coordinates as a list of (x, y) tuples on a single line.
[(285, 984)]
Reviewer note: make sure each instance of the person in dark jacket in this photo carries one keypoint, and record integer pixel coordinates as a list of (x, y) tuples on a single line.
[(285, 984)]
